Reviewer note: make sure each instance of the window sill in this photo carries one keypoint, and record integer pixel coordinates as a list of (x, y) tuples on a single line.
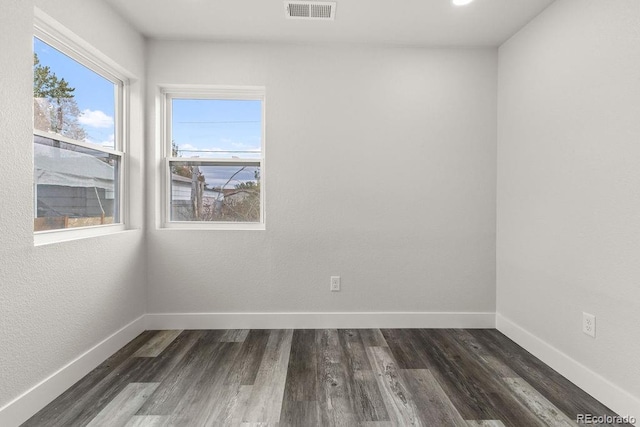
[(42, 238), (208, 226)]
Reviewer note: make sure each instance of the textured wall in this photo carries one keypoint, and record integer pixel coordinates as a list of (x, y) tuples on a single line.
[(59, 300), (380, 168), (568, 180)]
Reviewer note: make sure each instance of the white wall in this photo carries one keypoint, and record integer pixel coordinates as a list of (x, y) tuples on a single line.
[(569, 180), (58, 301), (380, 168)]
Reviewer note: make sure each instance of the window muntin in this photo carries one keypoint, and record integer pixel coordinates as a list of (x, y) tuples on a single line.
[(216, 162), (78, 155)]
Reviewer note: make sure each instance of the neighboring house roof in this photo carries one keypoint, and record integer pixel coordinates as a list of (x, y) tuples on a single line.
[(179, 178), (55, 166)]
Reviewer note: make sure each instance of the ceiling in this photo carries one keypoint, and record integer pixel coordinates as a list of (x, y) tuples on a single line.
[(408, 22)]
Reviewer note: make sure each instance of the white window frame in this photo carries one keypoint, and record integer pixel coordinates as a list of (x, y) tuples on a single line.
[(52, 33), (168, 94)]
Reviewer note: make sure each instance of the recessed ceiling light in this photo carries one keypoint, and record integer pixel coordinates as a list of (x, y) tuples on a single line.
[(461, 2)]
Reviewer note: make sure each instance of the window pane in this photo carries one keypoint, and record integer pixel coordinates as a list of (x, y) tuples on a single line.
[(215, 193), (70, 99), (74, 186), (216, 128)]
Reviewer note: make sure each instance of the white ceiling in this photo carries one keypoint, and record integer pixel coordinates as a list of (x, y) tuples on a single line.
[(411, 22)]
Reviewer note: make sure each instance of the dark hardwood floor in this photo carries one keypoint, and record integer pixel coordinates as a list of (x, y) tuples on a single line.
[(346, 377)]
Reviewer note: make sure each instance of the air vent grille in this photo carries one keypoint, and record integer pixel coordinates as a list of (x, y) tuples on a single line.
[(310, 10)]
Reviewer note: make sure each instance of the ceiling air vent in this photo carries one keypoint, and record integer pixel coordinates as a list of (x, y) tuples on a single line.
[(310, 10)]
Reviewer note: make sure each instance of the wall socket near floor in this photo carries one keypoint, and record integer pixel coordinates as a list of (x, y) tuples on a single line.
[(335, 284), (589, 324)]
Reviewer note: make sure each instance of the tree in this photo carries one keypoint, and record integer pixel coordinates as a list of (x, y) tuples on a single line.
[(243, 204), (54, 105), (182, 170), (239, 203)]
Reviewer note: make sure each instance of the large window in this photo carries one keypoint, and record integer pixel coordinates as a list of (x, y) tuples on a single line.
[(215, 158), (77, 131)]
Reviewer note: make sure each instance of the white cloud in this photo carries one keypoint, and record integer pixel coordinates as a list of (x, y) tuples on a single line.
[(244, 147), (190, 151), (95, 119), (110, 142), (188, 147)]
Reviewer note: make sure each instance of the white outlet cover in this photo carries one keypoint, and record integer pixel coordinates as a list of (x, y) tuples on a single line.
[(589, 324), (335, 283)]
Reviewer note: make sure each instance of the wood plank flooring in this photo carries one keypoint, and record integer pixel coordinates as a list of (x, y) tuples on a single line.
[(324, 377)]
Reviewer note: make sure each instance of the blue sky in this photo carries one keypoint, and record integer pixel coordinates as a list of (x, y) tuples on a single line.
[(94, 94), (217, 128)]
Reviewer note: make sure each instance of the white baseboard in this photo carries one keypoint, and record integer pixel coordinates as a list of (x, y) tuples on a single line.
[(318, 320), (597, 386), (26, 405)]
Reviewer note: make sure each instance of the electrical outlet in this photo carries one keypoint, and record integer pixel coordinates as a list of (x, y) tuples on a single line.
[(589, 324), (335, 283)]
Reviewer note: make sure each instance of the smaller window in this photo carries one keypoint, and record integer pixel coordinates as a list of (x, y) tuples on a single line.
[(215, 161)]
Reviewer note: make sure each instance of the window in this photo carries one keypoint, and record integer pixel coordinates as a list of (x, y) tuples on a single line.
[(215, 158), (77, 135)]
